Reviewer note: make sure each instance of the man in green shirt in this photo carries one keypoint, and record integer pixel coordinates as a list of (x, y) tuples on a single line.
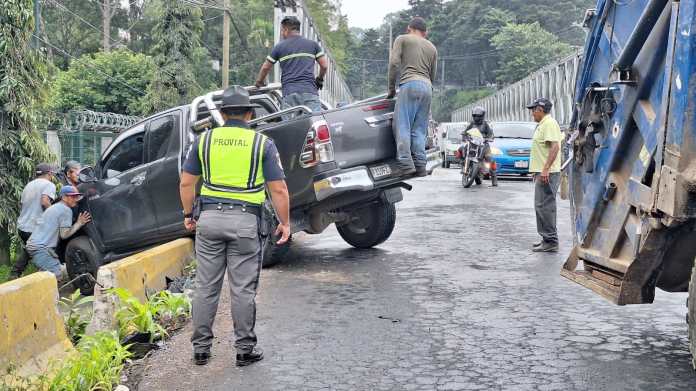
[(545, 165)]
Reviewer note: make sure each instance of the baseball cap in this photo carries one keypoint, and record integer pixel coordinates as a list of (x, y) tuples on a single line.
[(44, 168), (69, 191), (541, 102)]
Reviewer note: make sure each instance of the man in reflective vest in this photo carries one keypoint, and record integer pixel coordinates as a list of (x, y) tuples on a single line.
[(236, 165)]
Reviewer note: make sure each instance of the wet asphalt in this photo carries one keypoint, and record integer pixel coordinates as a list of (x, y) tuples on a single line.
[(455, 300)]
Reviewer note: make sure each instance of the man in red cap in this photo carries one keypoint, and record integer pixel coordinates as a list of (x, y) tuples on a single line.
[(56, 222)]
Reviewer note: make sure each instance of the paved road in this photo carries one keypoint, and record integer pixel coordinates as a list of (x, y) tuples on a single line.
[(455, 300)]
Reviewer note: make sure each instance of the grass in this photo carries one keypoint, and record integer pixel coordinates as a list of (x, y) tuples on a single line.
[(6, 269)]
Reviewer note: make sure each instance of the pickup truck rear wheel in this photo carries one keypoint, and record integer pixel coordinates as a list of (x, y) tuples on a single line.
[(82, 257), (691, 315), (369, 226)]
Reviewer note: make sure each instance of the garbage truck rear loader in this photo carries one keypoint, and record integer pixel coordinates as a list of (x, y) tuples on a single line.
[(632, 165)]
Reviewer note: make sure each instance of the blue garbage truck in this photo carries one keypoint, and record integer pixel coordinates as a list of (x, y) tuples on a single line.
[(632, 154)]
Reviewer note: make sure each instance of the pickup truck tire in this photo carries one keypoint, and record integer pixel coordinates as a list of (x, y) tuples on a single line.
[(272, 252), (369, 226), (691, 315), (82, 257)]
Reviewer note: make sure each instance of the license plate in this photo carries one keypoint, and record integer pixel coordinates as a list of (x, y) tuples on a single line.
[(380, 171), (521, 164)]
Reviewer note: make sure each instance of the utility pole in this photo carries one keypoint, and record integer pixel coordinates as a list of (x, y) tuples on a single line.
[(362, 84), (226, 45), (391, 39), (442, 93)]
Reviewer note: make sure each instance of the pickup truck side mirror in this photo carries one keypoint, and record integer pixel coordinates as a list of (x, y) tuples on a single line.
[(87, 175)]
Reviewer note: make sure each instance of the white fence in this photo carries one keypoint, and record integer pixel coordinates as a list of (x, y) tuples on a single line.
[(555, 82), (335, 88)]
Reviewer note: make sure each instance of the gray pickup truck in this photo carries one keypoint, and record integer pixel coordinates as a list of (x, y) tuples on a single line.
[(339, 165)]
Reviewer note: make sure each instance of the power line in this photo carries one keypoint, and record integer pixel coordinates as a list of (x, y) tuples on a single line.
[(63, 7)]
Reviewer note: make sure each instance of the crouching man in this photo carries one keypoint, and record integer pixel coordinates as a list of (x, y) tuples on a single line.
[(55, 222)]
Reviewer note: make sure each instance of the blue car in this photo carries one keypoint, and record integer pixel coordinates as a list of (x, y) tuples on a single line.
[(512, 145)]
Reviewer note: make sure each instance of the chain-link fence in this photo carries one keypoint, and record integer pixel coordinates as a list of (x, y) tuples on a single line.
[(83, 135), (85, 147)]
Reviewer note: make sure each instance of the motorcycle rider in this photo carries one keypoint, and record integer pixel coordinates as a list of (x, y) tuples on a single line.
[(478, 115)]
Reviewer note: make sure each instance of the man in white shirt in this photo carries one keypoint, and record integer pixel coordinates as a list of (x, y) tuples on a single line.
[(37, 196)]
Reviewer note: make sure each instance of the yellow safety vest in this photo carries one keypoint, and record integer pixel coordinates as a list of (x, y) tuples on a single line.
[(232, 162)]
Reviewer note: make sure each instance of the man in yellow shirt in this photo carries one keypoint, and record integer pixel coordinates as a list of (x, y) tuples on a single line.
[(545, 165)]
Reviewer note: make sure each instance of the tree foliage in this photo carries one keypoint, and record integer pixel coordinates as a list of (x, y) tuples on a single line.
[(177, 47), (110, 82), (525, 48), (23, 79)]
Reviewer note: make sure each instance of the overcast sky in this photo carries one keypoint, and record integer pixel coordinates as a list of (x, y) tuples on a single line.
[(370, 13)]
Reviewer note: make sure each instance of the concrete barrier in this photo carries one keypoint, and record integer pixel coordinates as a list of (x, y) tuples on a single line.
[(32, 333), (142, 274)]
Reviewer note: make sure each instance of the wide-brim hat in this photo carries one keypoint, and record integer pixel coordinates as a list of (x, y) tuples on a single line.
[(237, 97)]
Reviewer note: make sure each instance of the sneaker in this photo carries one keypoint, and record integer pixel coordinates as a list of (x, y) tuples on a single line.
[(546, 248), (245, 359), (537, 244), (421, 172)]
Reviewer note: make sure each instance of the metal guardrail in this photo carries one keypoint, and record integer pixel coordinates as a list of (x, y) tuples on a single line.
[(555, 82), (335, 89)]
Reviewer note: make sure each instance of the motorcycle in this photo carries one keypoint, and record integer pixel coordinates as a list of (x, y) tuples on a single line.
[(472, 157)]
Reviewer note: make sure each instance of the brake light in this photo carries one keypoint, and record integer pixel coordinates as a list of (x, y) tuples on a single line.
[(323, 133), (379, 106), (318, 147)]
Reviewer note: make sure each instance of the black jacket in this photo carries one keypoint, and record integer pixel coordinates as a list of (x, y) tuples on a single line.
[(484, 128)]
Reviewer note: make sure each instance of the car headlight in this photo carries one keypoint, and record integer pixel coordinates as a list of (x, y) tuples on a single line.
[(496, 151)]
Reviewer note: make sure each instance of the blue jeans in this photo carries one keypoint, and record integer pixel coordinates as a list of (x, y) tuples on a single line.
[(302, 99), (410, 125), (46, 260)]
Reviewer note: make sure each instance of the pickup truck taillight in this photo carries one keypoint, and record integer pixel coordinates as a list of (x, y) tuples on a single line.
[(318, 147)]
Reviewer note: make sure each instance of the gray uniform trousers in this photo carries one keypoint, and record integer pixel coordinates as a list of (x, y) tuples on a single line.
[(226, 240), (545, 206)]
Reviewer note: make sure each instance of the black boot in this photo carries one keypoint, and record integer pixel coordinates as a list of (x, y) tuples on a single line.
[(201, 358), (245, 359)]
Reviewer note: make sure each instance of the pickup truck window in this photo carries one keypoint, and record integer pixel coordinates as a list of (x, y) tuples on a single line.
[(159, 136), (126, 155)]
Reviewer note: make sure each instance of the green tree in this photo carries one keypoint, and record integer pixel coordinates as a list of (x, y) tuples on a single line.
[(23, 79), (111, 82), (525, 48), (177, 48)]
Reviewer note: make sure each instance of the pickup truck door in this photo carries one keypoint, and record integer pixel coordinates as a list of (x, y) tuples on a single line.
[(289, 137), (163, 150), (120, 206), (362, 134)]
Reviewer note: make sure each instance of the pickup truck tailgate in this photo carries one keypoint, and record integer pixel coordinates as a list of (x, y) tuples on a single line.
[(362, 134)]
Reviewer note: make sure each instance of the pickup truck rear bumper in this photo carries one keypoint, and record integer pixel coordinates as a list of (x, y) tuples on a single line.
[(355, 179), (360, 178)]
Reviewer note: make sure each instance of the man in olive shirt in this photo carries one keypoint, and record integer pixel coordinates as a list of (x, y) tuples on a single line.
[(416, 59), (545, 164)]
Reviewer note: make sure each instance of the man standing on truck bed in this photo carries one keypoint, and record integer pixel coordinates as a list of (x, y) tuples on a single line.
[(236, 164), (296, 56), (416, 58), (545, 164)]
